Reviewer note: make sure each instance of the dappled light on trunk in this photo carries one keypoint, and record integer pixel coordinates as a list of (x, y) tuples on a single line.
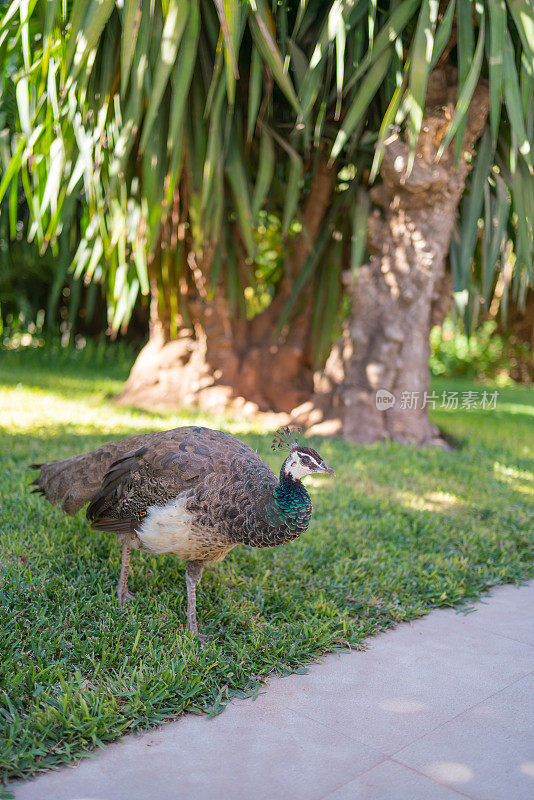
[(403, 290)]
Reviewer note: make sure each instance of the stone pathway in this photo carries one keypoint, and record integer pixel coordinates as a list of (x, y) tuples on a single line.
[(439, 709)]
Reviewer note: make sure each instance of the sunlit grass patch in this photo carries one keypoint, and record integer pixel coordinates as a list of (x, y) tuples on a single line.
[(400, 531)]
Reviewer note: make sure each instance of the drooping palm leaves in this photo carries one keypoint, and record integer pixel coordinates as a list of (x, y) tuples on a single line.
[(223, 104)]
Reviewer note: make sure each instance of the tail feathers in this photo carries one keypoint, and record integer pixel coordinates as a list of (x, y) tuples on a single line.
[(73, 482), (70, 483)]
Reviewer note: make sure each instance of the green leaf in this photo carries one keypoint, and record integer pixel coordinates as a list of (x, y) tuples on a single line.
[(154, 165), (462, 106), (523, 14), (386, 124), (13, 203), (173, 29), (311, 86), (305, 273), (139, 254), (359, 105), (96, 16), (299, 63), (495, 221), (51, 87), (371, 19), (527, 95), (54, 176), (337, 25), (12, 168), (293, 184), (513, 101), (51, 7), (523, 203), (390, 31), (76, 19), (497, 11), (183, 73), (443, 33), (229, 12), (420, 62), (10, 13), (214, 150), (266, 164), (260, 26), (472, 204), (360, 218), (465, 47), (254, 91), (237, 177), (326, 302), (312, 261), (23, 102), (215, 211), (292, 191), (131, 20), (25, 33)]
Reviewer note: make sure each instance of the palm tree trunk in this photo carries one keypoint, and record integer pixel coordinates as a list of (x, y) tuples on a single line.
[(397, 295), (217, 361)]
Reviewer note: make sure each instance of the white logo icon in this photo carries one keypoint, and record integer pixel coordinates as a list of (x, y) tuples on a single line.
[(384, 399)]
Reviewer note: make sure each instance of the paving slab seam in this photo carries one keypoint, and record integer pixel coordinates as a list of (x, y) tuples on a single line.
[(457, 716), (335, 730), (391, 757), (433, 780), (417, 738), (504, 636), (355, 777), (328, 728), (385, 760)]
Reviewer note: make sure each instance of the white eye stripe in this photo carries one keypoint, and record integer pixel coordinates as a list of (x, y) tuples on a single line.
[(307, 457)]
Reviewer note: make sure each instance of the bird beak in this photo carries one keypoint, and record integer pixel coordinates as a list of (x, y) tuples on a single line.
[(326, 468)]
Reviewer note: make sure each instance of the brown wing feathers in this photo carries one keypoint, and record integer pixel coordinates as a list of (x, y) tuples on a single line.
[(121, 479), (109, 495)]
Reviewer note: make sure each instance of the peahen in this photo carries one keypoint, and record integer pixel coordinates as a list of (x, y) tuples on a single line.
[(191, 491)]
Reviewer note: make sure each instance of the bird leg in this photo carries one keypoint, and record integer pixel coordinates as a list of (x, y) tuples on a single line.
[(193, 574), (122, 588)]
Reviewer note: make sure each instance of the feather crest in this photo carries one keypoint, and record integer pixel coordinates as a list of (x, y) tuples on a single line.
[(283, 438)]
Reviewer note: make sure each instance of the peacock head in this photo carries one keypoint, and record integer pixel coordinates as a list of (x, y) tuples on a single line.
[(301, 460)]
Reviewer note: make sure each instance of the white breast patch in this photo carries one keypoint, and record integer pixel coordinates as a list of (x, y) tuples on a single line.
[(168, 529)]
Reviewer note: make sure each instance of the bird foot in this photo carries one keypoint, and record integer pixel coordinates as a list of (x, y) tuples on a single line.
[(201, 638), (123, 596)]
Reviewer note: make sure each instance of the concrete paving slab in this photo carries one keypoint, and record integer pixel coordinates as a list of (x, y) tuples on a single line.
[(508, 613), (408, 682), (244, 753), (392, 781), (486, 752), (438, 709)]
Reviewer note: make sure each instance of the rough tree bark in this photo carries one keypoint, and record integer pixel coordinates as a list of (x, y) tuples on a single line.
[(219, 361), (400, 293)]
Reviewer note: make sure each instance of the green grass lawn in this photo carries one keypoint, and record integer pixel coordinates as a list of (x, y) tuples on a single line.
[(399, 532)]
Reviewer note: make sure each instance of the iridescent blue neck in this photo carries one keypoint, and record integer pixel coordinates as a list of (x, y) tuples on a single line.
[(293, 502)]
